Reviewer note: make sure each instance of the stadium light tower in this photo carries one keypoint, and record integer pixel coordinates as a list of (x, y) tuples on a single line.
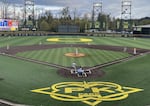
[(97, 9), (29, 13), (126, 14), (4, 6), (1, 10)]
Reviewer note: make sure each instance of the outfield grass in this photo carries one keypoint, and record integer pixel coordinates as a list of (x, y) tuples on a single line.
[(116, 41), (135, 73), (20, 77), (56, 56)]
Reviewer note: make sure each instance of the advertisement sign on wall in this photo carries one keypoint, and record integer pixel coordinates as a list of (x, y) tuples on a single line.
[(8, 25)]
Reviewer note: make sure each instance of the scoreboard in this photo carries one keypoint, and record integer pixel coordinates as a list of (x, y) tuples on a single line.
[(8, 25)]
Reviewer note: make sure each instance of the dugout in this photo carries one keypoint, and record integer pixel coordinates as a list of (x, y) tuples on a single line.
[(142, 29)]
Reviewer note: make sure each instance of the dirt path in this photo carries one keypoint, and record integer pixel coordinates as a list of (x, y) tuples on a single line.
[(16, 49)]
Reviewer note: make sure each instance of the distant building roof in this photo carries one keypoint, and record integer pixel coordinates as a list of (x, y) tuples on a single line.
[(143, 26)]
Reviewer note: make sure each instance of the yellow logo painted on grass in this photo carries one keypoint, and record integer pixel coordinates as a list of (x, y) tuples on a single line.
[(69, 40), (90, 93), (53, 40)]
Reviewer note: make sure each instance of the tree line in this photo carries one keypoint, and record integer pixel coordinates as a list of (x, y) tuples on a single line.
[(104, 22)]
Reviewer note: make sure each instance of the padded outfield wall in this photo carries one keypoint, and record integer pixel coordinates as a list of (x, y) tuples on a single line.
[(68, 28)]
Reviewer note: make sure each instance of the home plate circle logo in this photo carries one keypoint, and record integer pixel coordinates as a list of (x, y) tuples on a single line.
[(90, 93)]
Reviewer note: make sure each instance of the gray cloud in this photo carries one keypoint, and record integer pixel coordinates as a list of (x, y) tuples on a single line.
[(140, 8)]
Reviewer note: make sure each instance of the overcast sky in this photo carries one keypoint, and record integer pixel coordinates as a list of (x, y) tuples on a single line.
[(140, 8)]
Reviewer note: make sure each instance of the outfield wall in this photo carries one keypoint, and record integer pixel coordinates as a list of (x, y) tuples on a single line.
[(24, 33), (44, 33)]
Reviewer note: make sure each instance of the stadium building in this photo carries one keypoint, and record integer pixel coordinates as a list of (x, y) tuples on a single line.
[(142, 29)]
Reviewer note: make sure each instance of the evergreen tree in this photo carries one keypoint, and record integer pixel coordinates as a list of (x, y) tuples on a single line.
[(44, 26)]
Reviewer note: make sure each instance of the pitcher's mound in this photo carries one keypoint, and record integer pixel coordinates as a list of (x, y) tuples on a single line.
[(75, 55)]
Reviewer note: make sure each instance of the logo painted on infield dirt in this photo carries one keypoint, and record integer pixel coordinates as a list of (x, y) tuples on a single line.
[(90, 93)]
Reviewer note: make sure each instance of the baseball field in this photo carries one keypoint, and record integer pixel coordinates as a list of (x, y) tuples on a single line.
[(35, 71)]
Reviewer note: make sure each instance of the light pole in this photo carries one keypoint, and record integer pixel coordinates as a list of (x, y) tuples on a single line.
[(126, 15), (97, 9)]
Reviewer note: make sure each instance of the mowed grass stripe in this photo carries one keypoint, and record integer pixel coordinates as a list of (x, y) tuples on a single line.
[(31, 40), (124, 54), (88, 59), (26, 54), (65, 60), (139, 41), (28, 41), (119, 55), (21, 41), (51, 55), (119, 41), (108, 40), (59, 56), (40, 55), (53, 58), (18, 41), (103, 40), (56, 56), (87, 55), (136, 42), (101, 56), (49, 52), (84, 60), (64, 63), (96, 55), (35, 54), (6, 39), (112, 55), (43, 55), (128, 42), (37, 40), (69, 60), (97, 40), (46, 57), (106, 55), (11, 41), (3, 38)]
